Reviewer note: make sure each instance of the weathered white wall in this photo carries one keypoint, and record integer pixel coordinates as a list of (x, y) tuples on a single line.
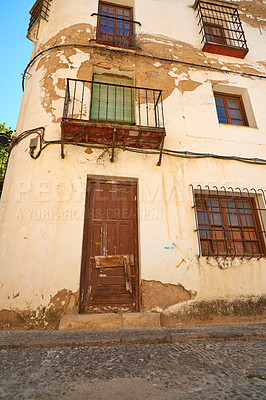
[(41, 216)]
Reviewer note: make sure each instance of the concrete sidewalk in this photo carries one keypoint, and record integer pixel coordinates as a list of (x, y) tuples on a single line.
[(114, 337)]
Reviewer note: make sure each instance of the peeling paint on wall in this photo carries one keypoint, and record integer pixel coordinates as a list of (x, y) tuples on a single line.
[(158, 295), (49, 317), (188, 85), (168, 239), (158, 74), (252, 12)]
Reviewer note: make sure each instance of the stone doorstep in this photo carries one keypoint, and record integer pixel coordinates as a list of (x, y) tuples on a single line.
[(109, 321)]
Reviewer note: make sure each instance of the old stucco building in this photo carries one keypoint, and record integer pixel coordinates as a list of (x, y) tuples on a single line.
[(136, 179)]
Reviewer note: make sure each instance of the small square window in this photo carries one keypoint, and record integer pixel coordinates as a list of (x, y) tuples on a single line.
[(230, 109)]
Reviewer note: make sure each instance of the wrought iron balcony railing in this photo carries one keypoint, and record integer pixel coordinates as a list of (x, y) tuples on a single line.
[(123, 104), (221, 28), (40, 9), (113, 114)]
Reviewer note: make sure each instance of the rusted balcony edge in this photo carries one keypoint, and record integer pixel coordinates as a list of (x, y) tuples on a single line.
[(221, 28), (218, 48), (111, 135)]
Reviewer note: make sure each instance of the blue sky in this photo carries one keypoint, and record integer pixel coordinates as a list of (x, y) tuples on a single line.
[(16, 51)]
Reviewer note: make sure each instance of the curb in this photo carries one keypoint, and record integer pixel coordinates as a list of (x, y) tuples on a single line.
[(131, 341)]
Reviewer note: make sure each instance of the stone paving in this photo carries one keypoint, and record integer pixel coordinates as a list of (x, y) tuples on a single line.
[(48, 338), (202, 369)]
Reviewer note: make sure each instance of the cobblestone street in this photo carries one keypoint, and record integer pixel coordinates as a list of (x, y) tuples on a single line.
[(188, 370)]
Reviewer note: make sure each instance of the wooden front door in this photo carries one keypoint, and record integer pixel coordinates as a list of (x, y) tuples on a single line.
[(109, 273)]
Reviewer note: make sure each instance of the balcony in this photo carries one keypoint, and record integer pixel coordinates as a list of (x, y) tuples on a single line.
[(221, 28), (112, 115)]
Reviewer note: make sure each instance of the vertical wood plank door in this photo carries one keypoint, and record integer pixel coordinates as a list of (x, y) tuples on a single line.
[(110, 266)]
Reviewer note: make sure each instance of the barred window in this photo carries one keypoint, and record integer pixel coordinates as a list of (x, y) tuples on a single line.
[(231, 223), (220, 28)]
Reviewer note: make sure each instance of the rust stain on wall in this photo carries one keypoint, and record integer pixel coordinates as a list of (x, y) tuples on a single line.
[(163, 295)]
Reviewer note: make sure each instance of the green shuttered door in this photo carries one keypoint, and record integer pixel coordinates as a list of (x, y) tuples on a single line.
[(112, 103)]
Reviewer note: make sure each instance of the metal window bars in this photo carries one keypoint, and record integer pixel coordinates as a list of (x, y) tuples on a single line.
[(40, 9), (220, 24), (230, 222), (120, 104)]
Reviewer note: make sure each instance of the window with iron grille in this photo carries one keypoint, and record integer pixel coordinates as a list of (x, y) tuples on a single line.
[(230, 109), (115, 25), (40, 9), (220, 28), (231, 223)]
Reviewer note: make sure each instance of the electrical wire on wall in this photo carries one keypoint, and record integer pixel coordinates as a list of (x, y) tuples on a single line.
[(174, 61), (173, 153), (34, 142)]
